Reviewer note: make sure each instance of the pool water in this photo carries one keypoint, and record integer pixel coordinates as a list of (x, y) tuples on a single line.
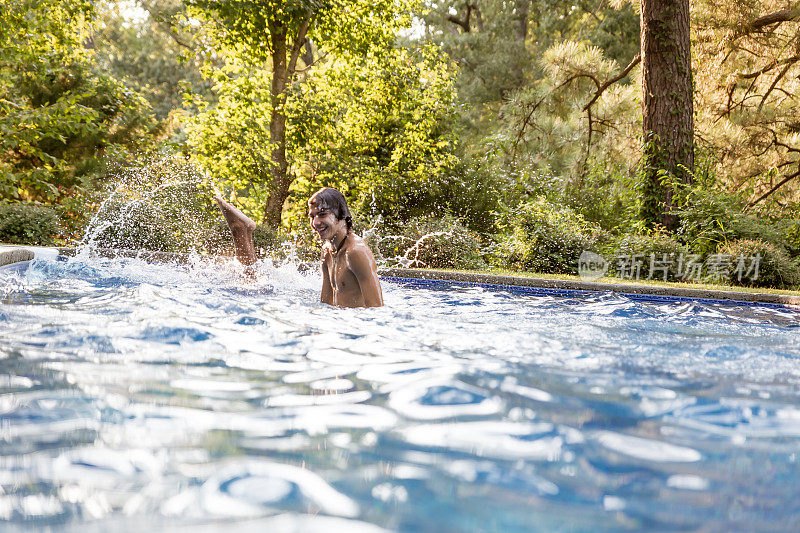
[(142, 397)]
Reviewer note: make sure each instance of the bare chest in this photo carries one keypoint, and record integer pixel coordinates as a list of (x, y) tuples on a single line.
[(342, 278)]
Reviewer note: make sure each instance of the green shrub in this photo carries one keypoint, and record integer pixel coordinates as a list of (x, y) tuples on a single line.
[(218, 240), (27, 224), (711, 219), (135, 227), (265, 239), (603, 195), (658, 252), (542, 237), (775, 268), (430, 242), (792, 232)]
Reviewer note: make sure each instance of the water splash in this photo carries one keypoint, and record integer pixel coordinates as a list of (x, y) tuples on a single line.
[(404, 251), (161, 204)]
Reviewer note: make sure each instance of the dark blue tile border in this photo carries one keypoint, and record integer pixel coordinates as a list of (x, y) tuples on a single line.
[(573, 293)]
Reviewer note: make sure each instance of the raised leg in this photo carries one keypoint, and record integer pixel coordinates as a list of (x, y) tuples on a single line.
[(242, 230)]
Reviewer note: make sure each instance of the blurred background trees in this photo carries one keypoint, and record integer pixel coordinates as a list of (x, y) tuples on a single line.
[(520, 124)]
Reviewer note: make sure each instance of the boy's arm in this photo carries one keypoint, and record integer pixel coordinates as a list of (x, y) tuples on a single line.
[(327, 289), (364, 269)]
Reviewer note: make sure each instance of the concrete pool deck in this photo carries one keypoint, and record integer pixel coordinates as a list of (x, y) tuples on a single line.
[(10, 254)]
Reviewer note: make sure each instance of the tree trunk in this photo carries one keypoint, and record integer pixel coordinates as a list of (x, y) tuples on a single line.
[(277, 127), (522, 8), (667, 106)]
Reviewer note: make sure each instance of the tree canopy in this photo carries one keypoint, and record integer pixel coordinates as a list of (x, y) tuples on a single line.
[(59, 113)]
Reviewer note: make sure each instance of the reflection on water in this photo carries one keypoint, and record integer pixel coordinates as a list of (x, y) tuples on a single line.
[(140, 397)]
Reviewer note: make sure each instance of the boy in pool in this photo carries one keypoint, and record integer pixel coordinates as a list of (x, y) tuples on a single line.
[(349, 271)]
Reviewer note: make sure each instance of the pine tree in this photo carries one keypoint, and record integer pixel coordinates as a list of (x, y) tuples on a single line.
[(667, 106)]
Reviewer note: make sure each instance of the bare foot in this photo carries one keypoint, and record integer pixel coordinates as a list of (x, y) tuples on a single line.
[(242, 230)]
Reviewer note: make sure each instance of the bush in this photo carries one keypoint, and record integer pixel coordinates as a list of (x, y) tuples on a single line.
[(27, 224), (429, 242), (603, 195), (133, 226), (649, 249), (711, 219), (792, 233), (542, 237), (265, 239), (218, 240), (775, 268)]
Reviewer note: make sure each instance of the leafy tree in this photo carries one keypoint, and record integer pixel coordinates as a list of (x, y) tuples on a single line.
[(59, 115), (156, 55), (748, 96), (545, 90), (276, 33), (487, 39), (230, 139), (377, 129), (575, 114)]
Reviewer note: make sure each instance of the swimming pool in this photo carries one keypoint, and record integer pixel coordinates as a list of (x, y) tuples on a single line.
[(140, 396)]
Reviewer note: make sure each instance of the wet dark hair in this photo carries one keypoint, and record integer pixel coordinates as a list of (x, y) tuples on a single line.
[(332, 200)]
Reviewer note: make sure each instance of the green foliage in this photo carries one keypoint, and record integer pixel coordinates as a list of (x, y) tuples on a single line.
[(22, 223), (230, 140), (542, 237), (604, 195), (160, 204), (746, 93), (243, 140), (647, 242), (495, 42), (544, 129), (265, 238), (430, 242), (249, 30), (775, 269), (710, 219), (792, 232), (153, 56), (493, 51), (374, 129), (611, 26), (646, 246), (59, 115)]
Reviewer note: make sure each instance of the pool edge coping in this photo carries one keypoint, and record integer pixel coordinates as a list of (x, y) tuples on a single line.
[(14, 254), (10, 254)]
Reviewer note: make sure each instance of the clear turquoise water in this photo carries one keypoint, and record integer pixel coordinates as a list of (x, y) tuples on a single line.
[(138, 397)]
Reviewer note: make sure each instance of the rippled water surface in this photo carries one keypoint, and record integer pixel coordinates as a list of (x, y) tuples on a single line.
[(139, 397)]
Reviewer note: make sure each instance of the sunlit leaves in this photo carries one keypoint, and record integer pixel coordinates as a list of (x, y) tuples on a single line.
[(231, 140), (375, 128), (58, 114)]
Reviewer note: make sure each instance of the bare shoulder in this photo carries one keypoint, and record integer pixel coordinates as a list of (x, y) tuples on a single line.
[(359, 254)]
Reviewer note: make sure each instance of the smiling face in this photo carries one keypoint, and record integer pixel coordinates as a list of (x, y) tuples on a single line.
[(324, 221)]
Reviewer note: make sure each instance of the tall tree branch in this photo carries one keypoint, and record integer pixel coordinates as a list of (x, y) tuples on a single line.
[(769, 67), (784, 15), (774, 83), (786, 179), (601, 89), (297, 45), (464, 23)]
